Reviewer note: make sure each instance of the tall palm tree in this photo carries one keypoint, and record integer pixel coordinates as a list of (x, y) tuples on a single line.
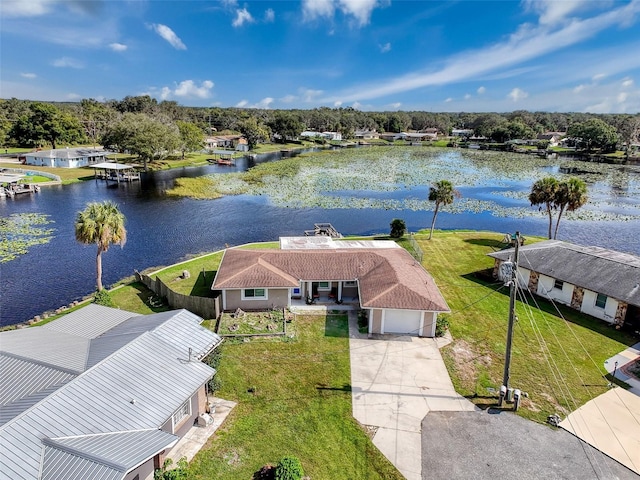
[(571, 195), (543, 192), (442, 193), (102, 224)]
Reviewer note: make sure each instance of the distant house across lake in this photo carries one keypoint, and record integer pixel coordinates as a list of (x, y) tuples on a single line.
[(65, 157)]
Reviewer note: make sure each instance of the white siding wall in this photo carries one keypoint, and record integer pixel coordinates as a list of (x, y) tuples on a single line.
[(546, 289), (607, 313)]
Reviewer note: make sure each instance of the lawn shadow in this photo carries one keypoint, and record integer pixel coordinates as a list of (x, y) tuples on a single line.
[(323, 387), (202, 286), (150, 299), (485, 278), (336, 326), (488, 242)]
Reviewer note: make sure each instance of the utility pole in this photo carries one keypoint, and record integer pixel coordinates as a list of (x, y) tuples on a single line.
[(512, 315)]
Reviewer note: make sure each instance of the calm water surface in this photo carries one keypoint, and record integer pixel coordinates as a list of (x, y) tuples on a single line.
[(163, 230)]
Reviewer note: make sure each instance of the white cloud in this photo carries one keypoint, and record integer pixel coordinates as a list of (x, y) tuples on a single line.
[(242, 16), (269, 15), (264, 103), (26, 8), (188, 89), (467, 96), (360, 9), (627, 82), (448, 100), (242, 104), (396, 105), (553, 11), (73, 96), (385, 48), (28, 75), (337, 103), (67, 62), (578, 89), (313, 9), (481, 90), (622, 97), (229, 3), (309, 95), (598, 77), (516, 94), (169, 35), (118, 47), (526, 44), (356, 105), (165, 93), (288, 99)]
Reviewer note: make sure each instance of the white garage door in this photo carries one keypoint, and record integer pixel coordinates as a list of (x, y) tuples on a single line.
[(402, 321)]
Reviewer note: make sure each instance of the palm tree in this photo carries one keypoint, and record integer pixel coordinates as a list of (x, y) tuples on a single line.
[(442, 193), (543, 192), (102, 224), (571, 195)]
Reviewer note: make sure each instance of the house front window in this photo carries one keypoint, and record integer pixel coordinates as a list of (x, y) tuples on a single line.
[(323, 286), (601, 300), (254, 294), (183, 412), (558, 284)]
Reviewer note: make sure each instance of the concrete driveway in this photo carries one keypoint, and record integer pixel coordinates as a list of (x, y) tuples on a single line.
[(396, 381)]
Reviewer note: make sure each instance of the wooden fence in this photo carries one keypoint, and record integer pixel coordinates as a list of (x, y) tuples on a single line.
[(417, 251), (206, 307)]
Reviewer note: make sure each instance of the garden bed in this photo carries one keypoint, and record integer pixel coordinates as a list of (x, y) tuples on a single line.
[(253, 323)]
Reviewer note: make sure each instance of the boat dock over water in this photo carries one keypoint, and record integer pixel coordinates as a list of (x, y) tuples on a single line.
[(116, 172), (11, 185), (323, 230), (223, 157)]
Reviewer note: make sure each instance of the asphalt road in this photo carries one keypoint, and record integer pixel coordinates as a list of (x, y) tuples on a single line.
[(500, 445)]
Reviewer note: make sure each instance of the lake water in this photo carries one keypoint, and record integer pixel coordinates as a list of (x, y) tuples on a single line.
[(163, 230)]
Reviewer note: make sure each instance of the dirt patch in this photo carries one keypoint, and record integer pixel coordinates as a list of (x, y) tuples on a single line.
[(467, 362)]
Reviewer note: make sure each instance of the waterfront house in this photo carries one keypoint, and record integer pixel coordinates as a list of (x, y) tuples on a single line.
[(66, 157), (553, 138), (100, 393), (398, 293), (597, 281), (366, 134)]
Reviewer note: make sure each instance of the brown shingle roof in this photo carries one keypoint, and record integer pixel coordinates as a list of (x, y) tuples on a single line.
[(388, 278)]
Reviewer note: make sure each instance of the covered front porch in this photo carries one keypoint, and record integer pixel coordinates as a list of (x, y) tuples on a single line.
[(325, 293)]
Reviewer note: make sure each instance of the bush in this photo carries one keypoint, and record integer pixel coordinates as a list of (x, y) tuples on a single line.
[(289, 468), (103, 298), (442, 325), (398, 228)]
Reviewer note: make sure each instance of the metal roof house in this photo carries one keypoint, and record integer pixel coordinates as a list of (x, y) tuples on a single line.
[(596, 281), (399, 294), (100, 393), (66, 157)]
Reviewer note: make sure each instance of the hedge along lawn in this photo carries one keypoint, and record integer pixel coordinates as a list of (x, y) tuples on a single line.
[(300, 405), (478, 324)]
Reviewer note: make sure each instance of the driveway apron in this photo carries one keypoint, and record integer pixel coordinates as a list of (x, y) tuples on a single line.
[(396, 380)]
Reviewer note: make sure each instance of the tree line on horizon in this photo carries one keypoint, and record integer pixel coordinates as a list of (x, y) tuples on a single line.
[(142, 125)]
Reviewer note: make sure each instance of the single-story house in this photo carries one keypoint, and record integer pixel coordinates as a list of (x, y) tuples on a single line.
[(326, 135), (366, 134), (225, 141), (597, 281), (461, 132), (100, 393), (553, 138), (66, 157), (398, 293)]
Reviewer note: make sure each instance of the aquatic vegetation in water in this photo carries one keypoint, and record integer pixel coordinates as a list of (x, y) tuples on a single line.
[(21, 231), (397, 178)]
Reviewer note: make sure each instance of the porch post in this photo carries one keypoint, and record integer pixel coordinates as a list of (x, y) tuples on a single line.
[(339, 291)]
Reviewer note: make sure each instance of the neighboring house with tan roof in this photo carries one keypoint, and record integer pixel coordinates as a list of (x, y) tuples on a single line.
[(594, 280), (399, 294), (100, 393)]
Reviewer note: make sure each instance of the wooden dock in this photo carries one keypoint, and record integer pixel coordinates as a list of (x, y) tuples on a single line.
[(323, 230)]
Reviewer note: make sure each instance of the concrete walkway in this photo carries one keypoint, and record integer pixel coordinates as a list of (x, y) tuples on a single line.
[(617, 362), (396, 380)]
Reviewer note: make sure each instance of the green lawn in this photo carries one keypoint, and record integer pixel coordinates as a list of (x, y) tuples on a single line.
[(299, 404), (558, 363)]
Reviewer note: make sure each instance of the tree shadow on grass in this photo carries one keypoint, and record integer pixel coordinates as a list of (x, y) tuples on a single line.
[(202, 287), (493, 243), (149, 298), (483, 277)]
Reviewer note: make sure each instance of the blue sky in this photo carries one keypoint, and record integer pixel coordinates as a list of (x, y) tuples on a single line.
[(382, 55)]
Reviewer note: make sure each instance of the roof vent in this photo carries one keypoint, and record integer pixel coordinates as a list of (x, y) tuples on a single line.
[(132, 401)]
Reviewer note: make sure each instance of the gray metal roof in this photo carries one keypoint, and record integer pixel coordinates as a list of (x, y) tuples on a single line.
[(89, 321), (68, 153), (611, 273), (24, 383), (119, 451), (137, 387)]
